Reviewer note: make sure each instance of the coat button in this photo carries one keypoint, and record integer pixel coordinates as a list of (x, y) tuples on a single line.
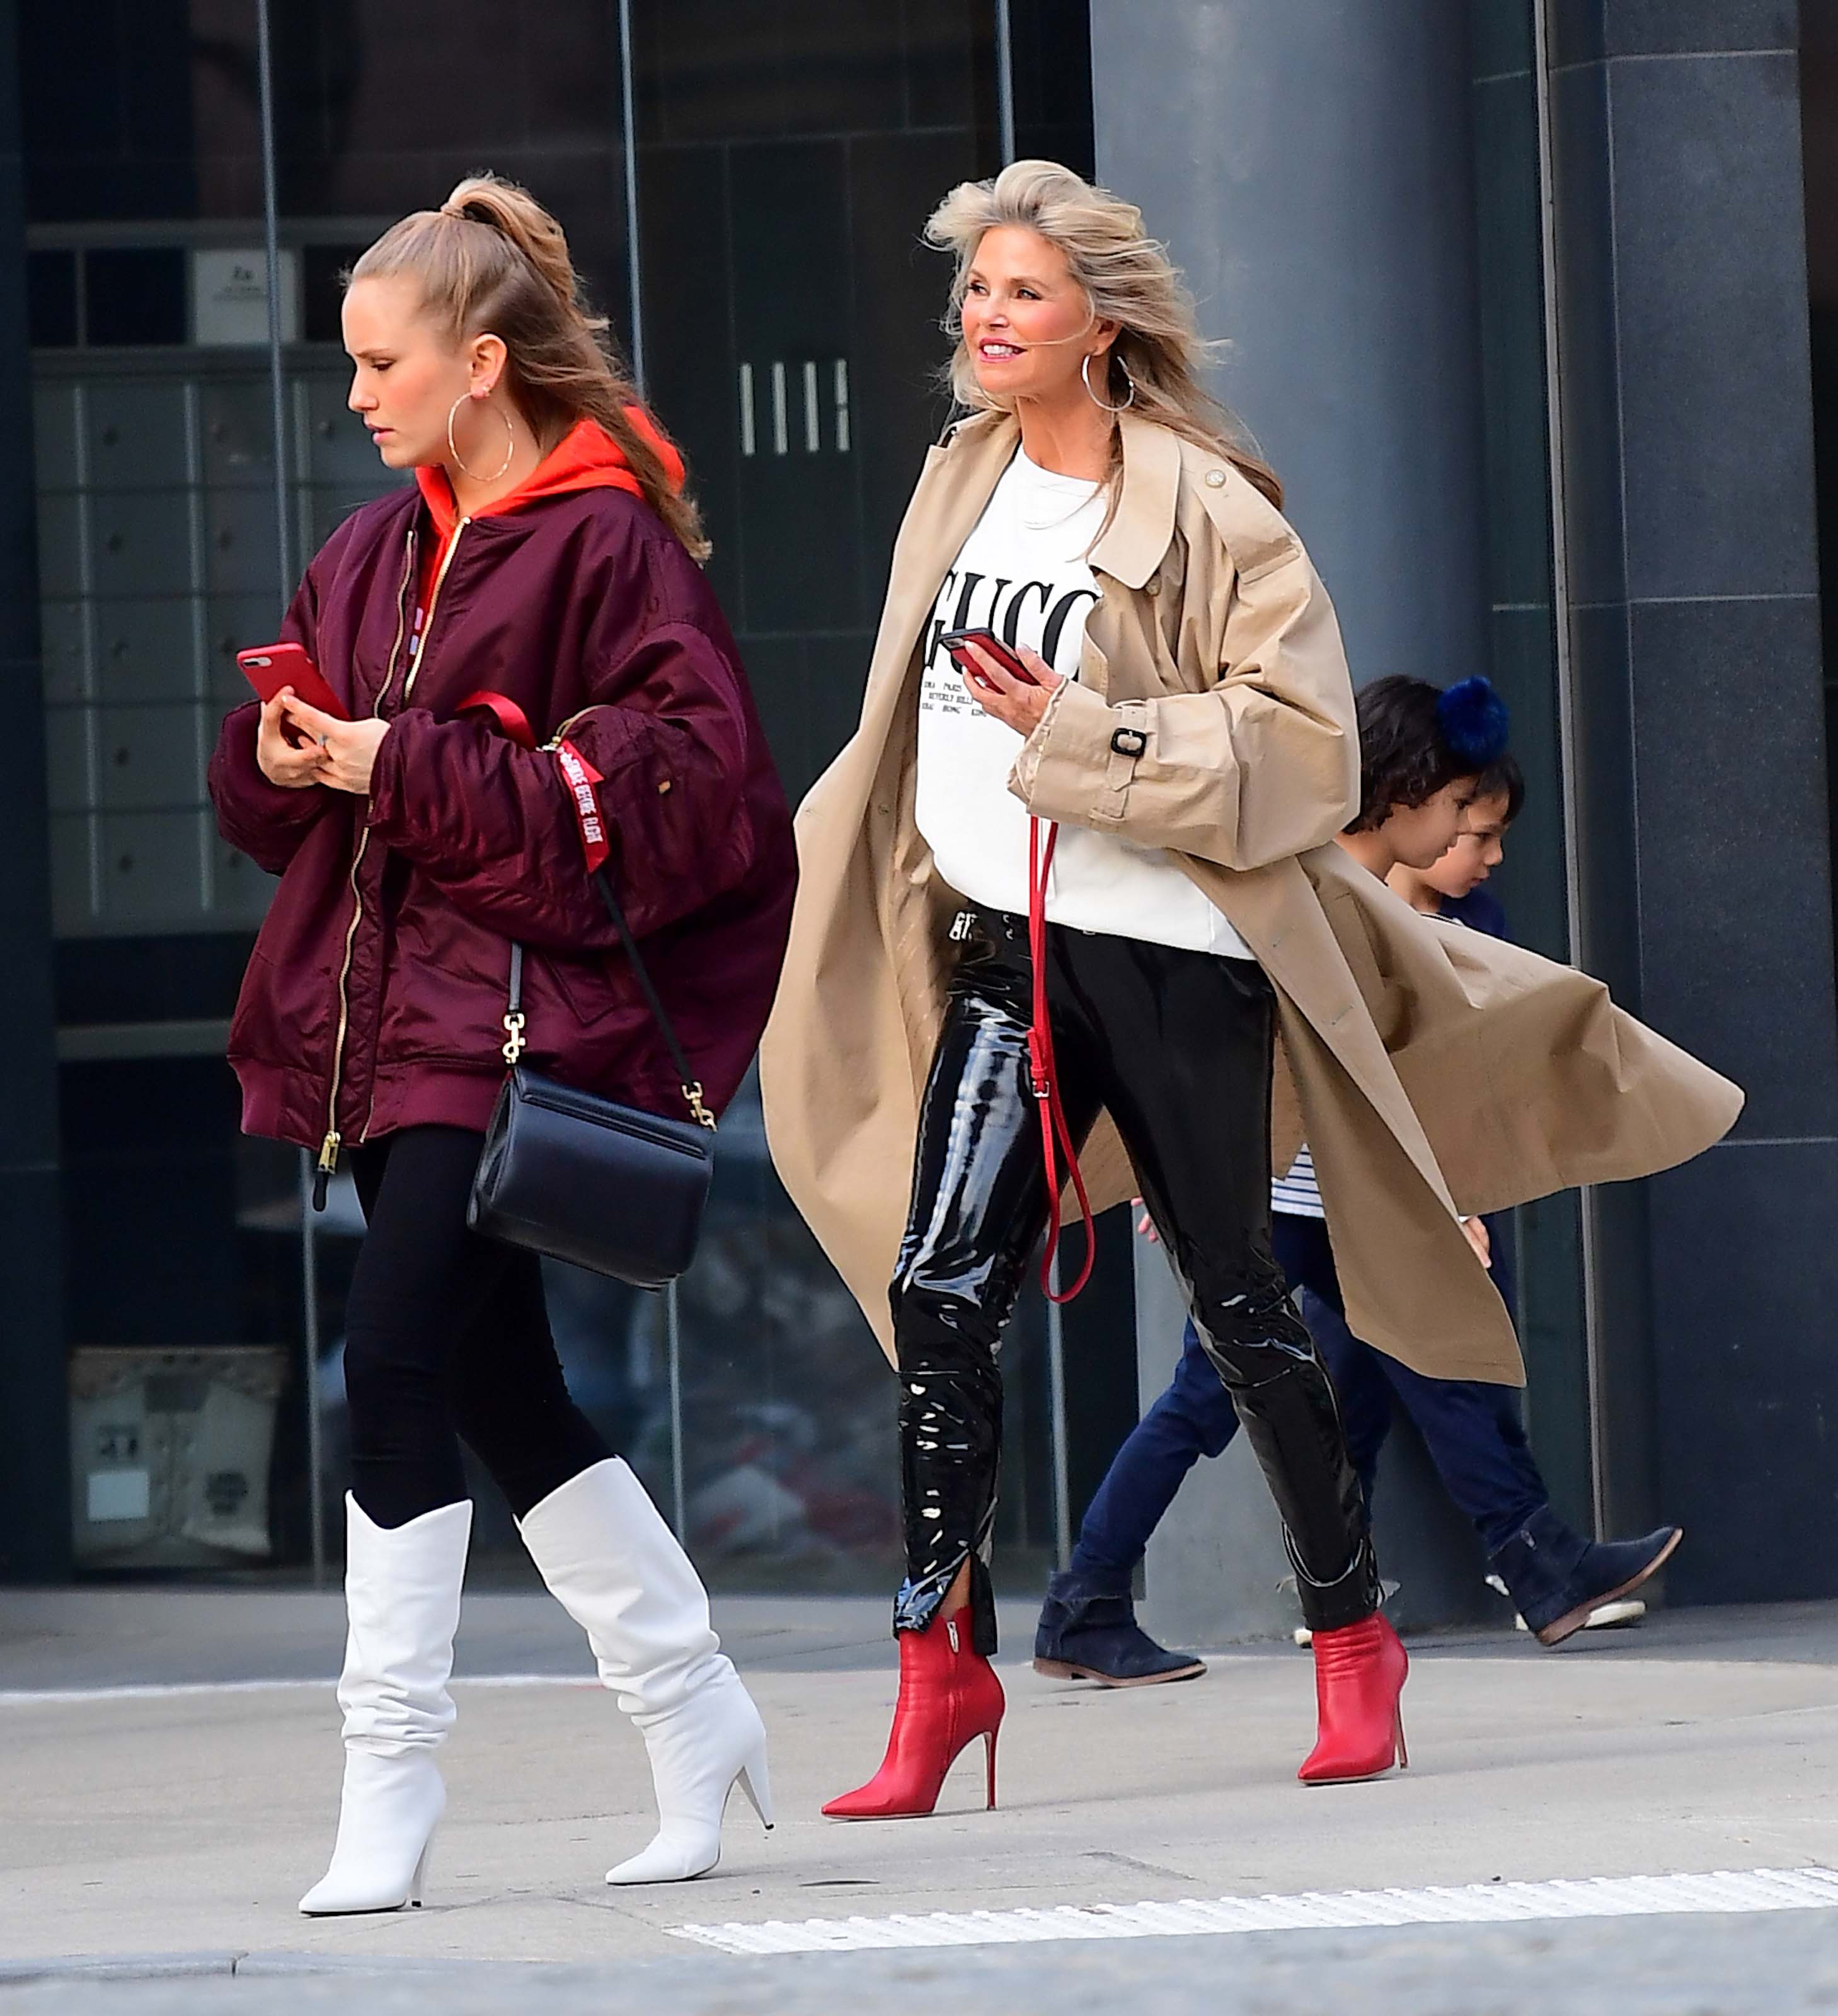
[(1215, 479)]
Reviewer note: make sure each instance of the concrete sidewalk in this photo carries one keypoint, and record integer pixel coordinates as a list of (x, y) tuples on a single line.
[(188, 1823)]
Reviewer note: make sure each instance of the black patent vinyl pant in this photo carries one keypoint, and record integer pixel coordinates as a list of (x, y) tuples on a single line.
[(1177, 1045)]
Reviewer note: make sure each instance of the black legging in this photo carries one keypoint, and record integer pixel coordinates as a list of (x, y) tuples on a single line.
[(447, 1338), (1177, 1046)]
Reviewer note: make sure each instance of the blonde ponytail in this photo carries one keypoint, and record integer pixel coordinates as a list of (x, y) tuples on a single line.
[(508, 208), (492, 259)]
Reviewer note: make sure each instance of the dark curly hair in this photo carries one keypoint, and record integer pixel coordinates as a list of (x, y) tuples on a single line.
[(1503, 779), (1414, 738)]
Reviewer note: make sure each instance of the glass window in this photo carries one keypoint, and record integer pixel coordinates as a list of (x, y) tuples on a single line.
[(798, 364), (157, 553), (785, 320)]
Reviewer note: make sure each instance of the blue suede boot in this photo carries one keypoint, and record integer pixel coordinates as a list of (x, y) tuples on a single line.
[(1088, 1631), (1556, 1578)]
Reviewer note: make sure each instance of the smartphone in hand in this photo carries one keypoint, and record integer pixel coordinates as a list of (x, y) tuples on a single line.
[(955, 642), (267, 668)]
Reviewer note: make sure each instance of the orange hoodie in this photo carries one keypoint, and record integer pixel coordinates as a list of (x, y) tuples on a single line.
[(585, 458)]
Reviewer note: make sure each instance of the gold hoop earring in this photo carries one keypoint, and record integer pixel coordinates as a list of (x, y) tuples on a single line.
[(453, 446), (1085, 373)]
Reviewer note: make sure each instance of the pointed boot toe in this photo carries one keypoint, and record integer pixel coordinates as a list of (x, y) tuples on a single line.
[(699, 1753), (401, 1597), (1360, 1673), (612, 1563), (949, 1696), (390, 1807)]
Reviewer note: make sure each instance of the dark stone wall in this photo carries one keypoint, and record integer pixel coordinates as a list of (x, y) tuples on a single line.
[(1689, 498), (34, 1477)]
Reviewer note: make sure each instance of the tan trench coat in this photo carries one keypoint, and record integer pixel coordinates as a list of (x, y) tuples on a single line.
[(1436, 1070)]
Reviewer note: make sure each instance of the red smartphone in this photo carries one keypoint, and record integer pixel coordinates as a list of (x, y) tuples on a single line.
[(954, 641), (267, 668)]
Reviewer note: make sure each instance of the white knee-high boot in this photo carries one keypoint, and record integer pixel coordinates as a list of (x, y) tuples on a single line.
[(616, 1568), (401, 1599)]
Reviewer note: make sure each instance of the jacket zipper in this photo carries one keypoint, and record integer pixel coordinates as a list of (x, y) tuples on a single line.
[(433, 596), (334, 1141), (330, 1147)]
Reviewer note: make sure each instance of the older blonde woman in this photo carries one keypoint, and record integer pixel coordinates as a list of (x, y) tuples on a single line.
[(1183, 723)]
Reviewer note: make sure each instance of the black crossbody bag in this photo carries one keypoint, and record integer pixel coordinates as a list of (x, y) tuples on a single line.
[(583, 1178)]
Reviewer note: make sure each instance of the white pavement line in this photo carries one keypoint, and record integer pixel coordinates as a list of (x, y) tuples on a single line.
[(177, 1689), (1722, 1890)]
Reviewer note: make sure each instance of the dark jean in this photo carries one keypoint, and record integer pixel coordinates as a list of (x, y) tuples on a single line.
[(1177, 1046), (1473, 1430)]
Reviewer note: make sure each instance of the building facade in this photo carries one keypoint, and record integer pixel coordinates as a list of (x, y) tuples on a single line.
[(1516, 295)]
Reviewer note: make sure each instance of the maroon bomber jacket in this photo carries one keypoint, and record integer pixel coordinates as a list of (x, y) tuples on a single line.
[(375, 994)]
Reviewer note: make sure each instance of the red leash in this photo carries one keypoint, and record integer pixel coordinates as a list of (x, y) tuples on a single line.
[(1055, 1135)]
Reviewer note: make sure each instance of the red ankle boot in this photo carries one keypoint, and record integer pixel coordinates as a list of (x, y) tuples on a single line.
[(949, 1697), (1359, 1674)]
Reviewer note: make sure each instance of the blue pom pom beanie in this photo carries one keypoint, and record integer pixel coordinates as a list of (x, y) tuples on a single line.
[(1472, 719)]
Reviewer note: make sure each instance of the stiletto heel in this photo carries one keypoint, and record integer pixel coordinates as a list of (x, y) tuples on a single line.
[(758, 1787), (949, 1697), (1359, 1670), (989, 1747), (698, 1754), (417, 1882), (614, 1565), (1404, 1755)]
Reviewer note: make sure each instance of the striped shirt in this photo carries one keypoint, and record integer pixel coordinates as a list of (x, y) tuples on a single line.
[(1295, 1195)]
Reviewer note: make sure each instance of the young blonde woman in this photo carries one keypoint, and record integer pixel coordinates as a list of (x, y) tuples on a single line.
[(1186, 722), (546, 556)]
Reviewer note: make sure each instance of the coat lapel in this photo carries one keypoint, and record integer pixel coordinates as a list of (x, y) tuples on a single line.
[(1131, 547), (959, 477)]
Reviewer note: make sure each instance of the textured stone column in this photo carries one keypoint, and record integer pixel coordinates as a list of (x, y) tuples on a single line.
[(1311, 168)]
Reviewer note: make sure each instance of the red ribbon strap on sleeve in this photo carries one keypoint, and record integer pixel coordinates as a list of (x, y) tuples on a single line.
[(511, 719), (580, 777)]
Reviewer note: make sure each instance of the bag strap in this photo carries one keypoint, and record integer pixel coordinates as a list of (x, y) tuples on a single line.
[(685, 1077), (511, 722), (1055, 1134)]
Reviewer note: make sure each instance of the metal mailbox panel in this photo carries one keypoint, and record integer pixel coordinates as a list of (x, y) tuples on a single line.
[(67, 773), (138, 436), (147, 649), (147, 759), (73, 902), (60, 546), (54, 436), (242, 550), (63, 637), (236, 423), (152, 870), (141, 543)]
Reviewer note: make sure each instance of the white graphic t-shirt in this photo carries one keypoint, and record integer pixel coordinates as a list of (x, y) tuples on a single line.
[(1022, 574)]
